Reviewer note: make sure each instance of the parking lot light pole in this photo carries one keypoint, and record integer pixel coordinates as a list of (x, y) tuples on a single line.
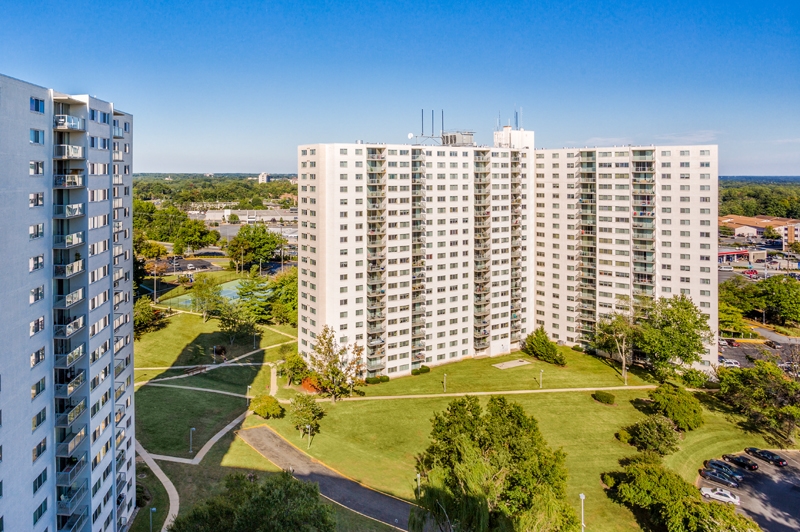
[(248, 395), (308, 431), (191, 431), (541, 374), (583, 524)]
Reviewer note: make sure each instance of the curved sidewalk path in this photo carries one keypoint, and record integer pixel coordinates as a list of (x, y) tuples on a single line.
[(495, 392), (332, 485), (172, 493)]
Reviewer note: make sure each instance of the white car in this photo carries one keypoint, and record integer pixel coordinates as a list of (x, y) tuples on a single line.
[(725, 268), (190, 267), (721, 495), (728, 363)]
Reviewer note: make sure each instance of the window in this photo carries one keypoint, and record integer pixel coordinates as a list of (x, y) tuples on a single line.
[(36, 168), (36, 263), (40, 511), (37, 325), (37, 420), (37, 105), (40, 448), (36, 199), (37, 356), (36, 294), (39, 481), (36, 231), (37, 388), (37, 136)]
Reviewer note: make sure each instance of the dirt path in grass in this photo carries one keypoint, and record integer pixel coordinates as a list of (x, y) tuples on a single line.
[(332, 485)]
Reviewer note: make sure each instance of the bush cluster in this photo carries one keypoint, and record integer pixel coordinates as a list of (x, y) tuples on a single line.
[(538, 345), (424, 369), (654, 433), (683, 408), (377, 380), (604, 397), (624, 436), (578, 348), (266, 406), (694, 378)]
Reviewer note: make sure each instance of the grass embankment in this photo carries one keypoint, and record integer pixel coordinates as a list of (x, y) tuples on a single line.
[(158, 500)]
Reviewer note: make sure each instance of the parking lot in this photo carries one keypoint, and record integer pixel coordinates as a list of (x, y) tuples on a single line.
[(770, 495)]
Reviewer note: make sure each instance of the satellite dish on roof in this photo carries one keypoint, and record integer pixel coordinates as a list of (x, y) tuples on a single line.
[(410, 136)]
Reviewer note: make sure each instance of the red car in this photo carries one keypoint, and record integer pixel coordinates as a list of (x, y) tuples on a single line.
[(733, 343)]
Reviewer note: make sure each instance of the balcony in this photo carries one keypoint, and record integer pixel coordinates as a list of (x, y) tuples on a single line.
[(72, 412), (68, 123), (68, 329), (376, 329), (120, 438), (120, 389), (376, 365), (67, 360), (121, 480), (117, 156), (376, 342), (481, 345), (64, 302), (65, 271), (71, 442), (68, 474), (65, 390), (376, 316), (483, 333), (68, 151), (69, 181), (376, 305), (68, 241), (375, 157), (76, 522)]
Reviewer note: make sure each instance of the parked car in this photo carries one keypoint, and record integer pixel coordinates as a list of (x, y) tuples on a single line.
[(725, 268), (741, 461), (719, 477), (773, 345), (729, 363), (190, 267), (721, 495), (725, 468), (733, 343), (721, 359), (767, 456), (751, 272)]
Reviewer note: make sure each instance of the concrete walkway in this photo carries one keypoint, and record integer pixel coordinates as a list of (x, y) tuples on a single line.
[(207, 447), (172, 493), (196, 389), (273, 380), (769, 334), (332, 485), (496, 392)]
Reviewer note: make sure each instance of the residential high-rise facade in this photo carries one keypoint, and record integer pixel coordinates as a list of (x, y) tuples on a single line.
[(430, 254), (66, 394)]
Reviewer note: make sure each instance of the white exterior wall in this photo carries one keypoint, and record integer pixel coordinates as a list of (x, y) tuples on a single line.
[(67, 489)]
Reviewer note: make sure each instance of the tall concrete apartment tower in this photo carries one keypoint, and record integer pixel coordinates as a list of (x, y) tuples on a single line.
[(430, 254), (66, 374)]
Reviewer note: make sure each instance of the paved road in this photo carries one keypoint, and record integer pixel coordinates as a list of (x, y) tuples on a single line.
[(331, 484), (771, 495)]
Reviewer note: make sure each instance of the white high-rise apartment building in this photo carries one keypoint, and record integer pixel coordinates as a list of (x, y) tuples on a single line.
[(67, 427), (430, 254)]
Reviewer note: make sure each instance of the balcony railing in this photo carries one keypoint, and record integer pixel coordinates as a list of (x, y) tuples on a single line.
[(66, 360), (117, 156), (68, 241), (68, 388), (68, 122), (70, 473), (67, 418), (68, 329), (117, 132), (68, 270), (71, 442), (68, 211), (69, 299), (76, 522), (68, 181), (68, 151)]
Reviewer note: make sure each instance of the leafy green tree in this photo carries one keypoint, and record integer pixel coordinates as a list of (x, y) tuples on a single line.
[(266, 406), (254, 296), (674, 332), (195, 235), (305, 414), (234, 320), (781, 296), (295, 368), (738, 292), (144, 317), (283, 297), (725, 230), (771, 234), (654, 433), (731, 319), (490, 470), (794, 247), (278, 503), (254, 243), (336, 368), (683, 408), (206, 295), (233, 218), (152, 250), (538, 345), (615, 334)]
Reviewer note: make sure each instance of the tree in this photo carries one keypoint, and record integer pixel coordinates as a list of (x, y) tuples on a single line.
[(724, 230), (794, 247), (305, 414), (683, 408), (674, 332), (336, 368), (283, 297), (278, 503), (144, 317), (673, 504), (771, 234), (266, 406), (741, 293), (206, 295), (615, 334), (731, 319), (490, 470), (254, 243), (254, 295), (234, 320), (233, 218), (654, 433), (538, 345), (152, 250), (178, 248), (781, 297), (295, 368), (195, 235)]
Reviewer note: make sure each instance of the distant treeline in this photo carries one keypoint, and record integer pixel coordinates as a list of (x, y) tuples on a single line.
[(769, 196), (185, 189)]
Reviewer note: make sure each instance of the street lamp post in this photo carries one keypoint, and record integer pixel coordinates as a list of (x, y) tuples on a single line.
[(248, 395), (191, 432), (445, 383), (419, 494), (152, 511), (541, 374), (583, 524), (308, 431)]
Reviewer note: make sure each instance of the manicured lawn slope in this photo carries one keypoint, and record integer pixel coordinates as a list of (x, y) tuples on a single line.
[(231, 379), (159, 500)]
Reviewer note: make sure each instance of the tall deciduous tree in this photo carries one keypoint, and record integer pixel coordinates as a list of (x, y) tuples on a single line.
[(674, 332), (235, 320), (195, 235), (616, 335), (144, 317), (771, 234), (206, 295), (781, 296), (337, 368), (254, 243), (283, 297), (490, 470), (305, 414)]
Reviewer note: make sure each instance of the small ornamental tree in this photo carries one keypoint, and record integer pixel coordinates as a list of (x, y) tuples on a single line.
[(295, 369), (206, 295), (654, 433), (683, 408), (234, 320), (144, 317), (337, 370), (615, 335), (538, 345), (305, 414), (267, 407)]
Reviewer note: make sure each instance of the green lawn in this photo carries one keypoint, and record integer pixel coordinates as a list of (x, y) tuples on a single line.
[(375, 443), (187, 340), (478, 375), (165, 415), (233, 378), (159, 500)]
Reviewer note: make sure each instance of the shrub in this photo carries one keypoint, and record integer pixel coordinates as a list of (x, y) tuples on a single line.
[(624, 436), (384, 378), (654, 433), (424, 369), (604, 397), (578, 348), (683, 408), (694, 378), (609, 480), (538, 345), (266, 406), (415, 371), (373, 380)]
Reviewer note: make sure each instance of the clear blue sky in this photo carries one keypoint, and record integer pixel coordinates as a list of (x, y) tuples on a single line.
[(236, 86)]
